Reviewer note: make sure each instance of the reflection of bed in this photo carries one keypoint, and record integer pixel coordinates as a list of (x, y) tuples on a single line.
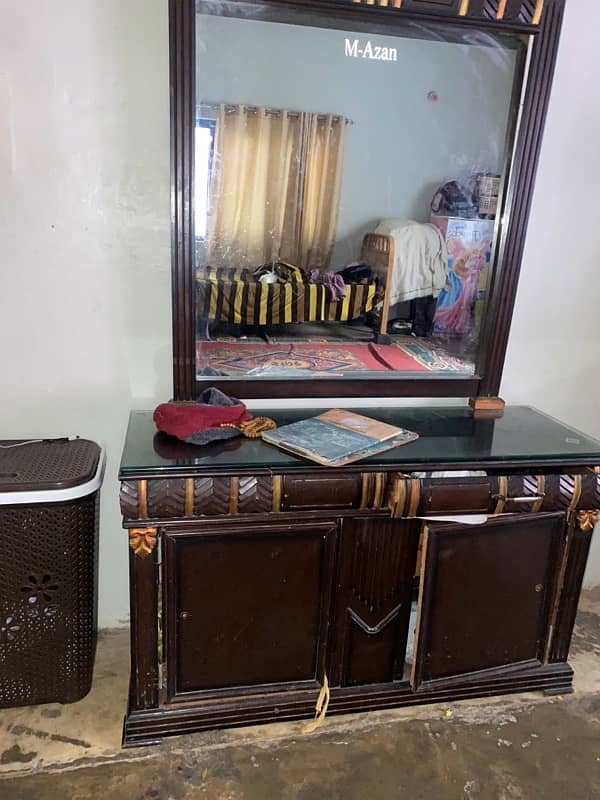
[(378, 253), (238, 297)]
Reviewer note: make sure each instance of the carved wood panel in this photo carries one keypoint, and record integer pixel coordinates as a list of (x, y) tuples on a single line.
[(377, 565), (528, 12), (255, 494), (211, 496), (166, 498), (404, 497)]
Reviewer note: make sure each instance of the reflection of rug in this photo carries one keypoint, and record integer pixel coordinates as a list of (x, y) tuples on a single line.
[(395, 359), (243, 358), (428, 358)]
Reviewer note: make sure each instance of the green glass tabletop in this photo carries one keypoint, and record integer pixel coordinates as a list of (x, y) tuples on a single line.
[(449, 438)]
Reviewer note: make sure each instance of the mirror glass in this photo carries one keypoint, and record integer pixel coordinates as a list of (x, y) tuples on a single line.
[(348, 181)]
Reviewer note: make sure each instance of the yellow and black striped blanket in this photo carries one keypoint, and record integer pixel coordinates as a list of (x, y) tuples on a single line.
[(237, 296)]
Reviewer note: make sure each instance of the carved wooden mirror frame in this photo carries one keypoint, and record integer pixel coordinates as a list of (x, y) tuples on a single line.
[(542, 20)]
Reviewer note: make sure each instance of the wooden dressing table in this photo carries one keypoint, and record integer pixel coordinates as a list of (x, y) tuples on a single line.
[(255, 574)]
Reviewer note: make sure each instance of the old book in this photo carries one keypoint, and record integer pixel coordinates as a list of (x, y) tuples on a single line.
[(338, 437)]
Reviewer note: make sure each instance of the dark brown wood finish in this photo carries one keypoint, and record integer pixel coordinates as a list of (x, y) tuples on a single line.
[(143, 576), (247, 606), (482, 14), (149, 727), (374, 592), (166, 501), (275, 579), (182, 21), (486, 597), (503, 292), (569, 594)]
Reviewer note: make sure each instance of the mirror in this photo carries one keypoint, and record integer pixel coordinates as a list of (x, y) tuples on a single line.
[(348, 183)]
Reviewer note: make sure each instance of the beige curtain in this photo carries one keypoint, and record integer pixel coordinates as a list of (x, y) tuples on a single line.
[(275, 187), (324, 147)]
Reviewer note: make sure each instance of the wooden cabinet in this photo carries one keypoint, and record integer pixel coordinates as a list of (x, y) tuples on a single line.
[(250, 588)]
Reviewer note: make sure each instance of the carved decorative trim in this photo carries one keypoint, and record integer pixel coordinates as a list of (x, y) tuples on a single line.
[(415, 497), (277, 490), (189, 498), (528, 12), (366, 490), (195, 498), (129, 500), (372, 630), (502, 493), (212, 496), (143, 541), (587, 520), (380, 3), (577, 488), (234, 496), (537, 14), (541, 490), (380, 480), (166, 498), (397, 495), (143, 499)]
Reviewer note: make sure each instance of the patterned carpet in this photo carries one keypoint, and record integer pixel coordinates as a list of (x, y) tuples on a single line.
[(428, 357), (286, 359), (235, 358)]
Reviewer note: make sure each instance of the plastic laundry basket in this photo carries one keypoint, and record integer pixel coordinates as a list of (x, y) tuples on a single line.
[(49, 496)]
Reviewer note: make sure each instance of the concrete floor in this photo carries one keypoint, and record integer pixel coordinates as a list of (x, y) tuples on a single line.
[(521, 747)]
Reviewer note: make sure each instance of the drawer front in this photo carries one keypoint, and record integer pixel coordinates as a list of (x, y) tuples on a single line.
[(443, 495), (331, 491), (494, 494)]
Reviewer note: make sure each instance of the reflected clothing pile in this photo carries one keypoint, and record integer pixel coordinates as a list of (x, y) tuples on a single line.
[(420, 259), (333, 282)]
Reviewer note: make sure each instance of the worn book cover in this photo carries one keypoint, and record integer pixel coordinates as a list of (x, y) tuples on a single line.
[(338, 437)]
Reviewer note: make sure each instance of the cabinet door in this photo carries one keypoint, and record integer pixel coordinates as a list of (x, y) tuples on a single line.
[(373, 603), (485, 595), (247, 606)]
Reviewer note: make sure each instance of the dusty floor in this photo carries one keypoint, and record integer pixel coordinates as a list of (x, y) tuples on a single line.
[(521, 746)]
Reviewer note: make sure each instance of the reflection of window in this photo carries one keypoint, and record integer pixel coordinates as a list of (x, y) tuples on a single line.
[(204, 144)]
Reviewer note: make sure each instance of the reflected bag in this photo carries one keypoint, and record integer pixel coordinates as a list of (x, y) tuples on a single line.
[(356, 273), (454, 200)]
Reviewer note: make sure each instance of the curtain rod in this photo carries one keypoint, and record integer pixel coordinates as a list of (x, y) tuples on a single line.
[(233, 107)]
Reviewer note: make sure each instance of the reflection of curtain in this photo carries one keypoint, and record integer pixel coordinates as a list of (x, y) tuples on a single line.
[(275, 188), (324, 144)]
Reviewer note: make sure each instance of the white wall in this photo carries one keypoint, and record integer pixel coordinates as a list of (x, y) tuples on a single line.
[(553, 359), (84, 236), (84, 231)]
